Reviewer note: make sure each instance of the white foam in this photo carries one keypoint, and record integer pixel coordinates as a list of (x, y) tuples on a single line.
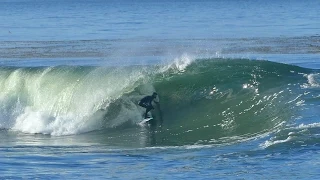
[(291, 134), (313, 81), (34, 121), (305, 126), (271, 142), (65, 101)]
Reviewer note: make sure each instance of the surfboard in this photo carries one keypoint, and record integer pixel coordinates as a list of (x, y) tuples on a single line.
[(145, 121)]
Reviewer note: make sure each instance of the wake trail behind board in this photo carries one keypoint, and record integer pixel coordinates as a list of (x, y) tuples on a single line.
[(145, 121)]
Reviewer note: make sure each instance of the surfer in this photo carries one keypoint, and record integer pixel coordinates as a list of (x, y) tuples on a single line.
[(146, 102)]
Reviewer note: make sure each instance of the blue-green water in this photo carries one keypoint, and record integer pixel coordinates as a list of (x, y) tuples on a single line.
[(238, 83)]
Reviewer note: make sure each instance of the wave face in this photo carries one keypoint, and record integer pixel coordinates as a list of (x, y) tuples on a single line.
[(223, 101), (207, 101)]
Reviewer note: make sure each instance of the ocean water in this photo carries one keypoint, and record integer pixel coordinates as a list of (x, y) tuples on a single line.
[(238, 83)]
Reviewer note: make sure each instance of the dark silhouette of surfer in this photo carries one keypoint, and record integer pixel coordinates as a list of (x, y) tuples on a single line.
[(146, 102)]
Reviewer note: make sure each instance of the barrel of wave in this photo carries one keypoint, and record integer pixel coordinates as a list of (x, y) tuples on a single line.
[(62, 100)]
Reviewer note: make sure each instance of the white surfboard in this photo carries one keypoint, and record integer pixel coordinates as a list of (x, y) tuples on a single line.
[(145, 121)]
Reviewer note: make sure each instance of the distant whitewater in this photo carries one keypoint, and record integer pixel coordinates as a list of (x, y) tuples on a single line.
[(203, 101)]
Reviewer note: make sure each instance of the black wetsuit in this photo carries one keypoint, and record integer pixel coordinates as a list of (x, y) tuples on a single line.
[(146, 102)]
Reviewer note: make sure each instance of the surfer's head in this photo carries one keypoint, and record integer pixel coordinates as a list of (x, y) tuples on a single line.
[(154, 95)]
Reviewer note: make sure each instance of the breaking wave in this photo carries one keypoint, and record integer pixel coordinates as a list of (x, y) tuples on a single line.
[(203, 101)]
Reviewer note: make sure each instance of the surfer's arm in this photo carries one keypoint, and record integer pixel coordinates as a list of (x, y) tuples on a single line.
[(156, 100)]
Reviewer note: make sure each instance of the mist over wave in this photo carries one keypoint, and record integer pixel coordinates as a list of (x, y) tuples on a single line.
[(203, 101)]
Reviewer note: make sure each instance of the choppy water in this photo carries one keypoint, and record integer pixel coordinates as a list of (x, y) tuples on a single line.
[(238, 84)]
